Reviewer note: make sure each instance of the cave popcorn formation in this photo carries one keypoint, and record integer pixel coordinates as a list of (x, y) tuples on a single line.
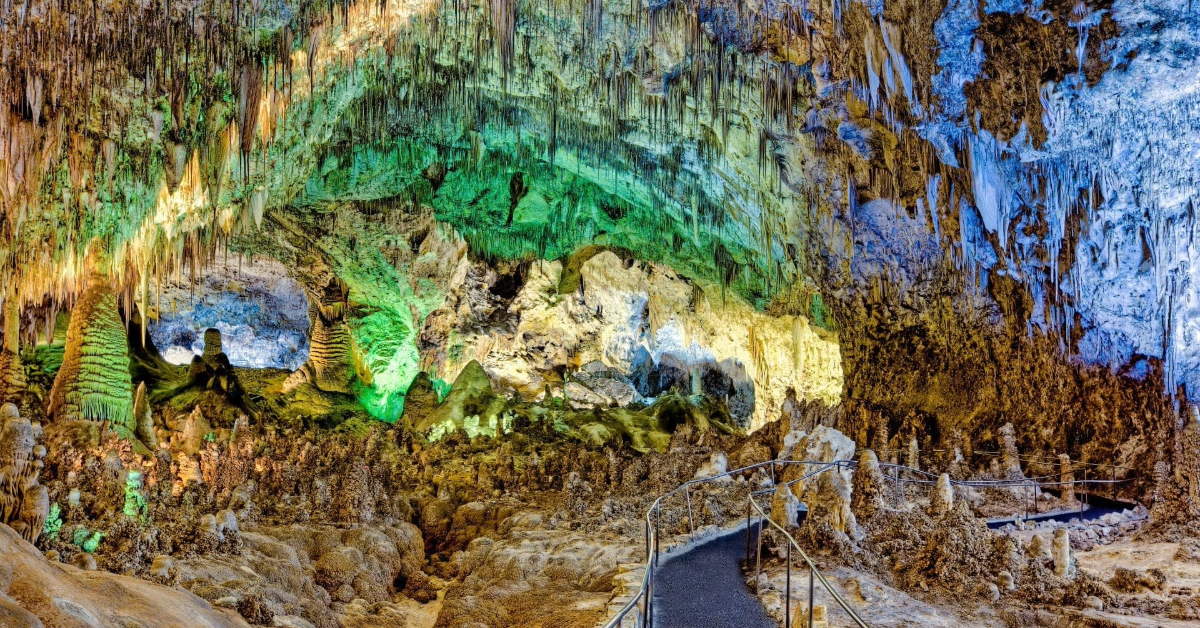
[(366, 314)]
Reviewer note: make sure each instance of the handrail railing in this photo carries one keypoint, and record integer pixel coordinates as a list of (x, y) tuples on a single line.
[(653, 519), (814, 574)]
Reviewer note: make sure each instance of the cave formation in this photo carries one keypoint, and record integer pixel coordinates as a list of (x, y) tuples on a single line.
[(405, 313)]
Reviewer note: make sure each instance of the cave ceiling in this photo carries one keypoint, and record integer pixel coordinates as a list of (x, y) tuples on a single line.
[(782, 150)]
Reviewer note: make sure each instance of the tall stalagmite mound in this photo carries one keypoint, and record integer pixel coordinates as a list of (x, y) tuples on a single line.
[(93, 383), (12, 374)]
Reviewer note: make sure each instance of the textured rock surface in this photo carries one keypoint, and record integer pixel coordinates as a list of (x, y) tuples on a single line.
[(93, 383), (258, 308), (53, 594), (571, 251), (640, 319)]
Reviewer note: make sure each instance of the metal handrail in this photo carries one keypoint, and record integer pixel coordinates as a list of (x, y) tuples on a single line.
[(1034, 484), (644, 594), (813, 572)]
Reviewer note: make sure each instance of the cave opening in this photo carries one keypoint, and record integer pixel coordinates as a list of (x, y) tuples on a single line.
[(259, 309)]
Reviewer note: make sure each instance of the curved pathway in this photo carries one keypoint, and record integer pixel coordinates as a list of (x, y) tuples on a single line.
[(704, 587)]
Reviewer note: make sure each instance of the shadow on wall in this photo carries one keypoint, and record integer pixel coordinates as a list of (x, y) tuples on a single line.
[(261, 311)]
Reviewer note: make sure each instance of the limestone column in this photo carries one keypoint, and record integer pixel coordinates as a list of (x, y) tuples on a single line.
[(1010, 461)]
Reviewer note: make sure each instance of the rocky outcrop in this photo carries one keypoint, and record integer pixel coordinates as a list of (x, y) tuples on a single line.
[(24, 504), (518, 579), (823, 445), (36, 593), (629, 330), (471, 404)]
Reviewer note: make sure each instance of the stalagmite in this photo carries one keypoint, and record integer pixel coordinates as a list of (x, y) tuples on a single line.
[(331, 357), (942, 501), (866, 490), (1188, 465), (784, 507), (24, 503), (1064, 558), (1066, 478), (144, 418), (12, 373), (213, 347), (1010, 460), (828, 502), (1040, 548), (93, 383)]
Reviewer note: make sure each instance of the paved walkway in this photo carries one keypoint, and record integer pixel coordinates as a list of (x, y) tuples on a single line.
[(704, 588)]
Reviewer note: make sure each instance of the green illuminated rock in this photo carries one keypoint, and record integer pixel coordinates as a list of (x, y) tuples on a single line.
[(93, 383)]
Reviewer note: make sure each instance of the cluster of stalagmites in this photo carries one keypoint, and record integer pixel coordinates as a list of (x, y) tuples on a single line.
[(357, 512), (921, 535), (24, 504)]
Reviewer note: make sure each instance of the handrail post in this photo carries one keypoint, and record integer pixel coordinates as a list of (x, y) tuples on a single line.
[(650, 599), (1083, 494), (787, 598), (1113, 486), (647, 539), (772, 474), (748, 498), (758, 559), (812, 576), (687, 490), (1085, 486), (645, 606), (1035, 497), (657, 526)]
